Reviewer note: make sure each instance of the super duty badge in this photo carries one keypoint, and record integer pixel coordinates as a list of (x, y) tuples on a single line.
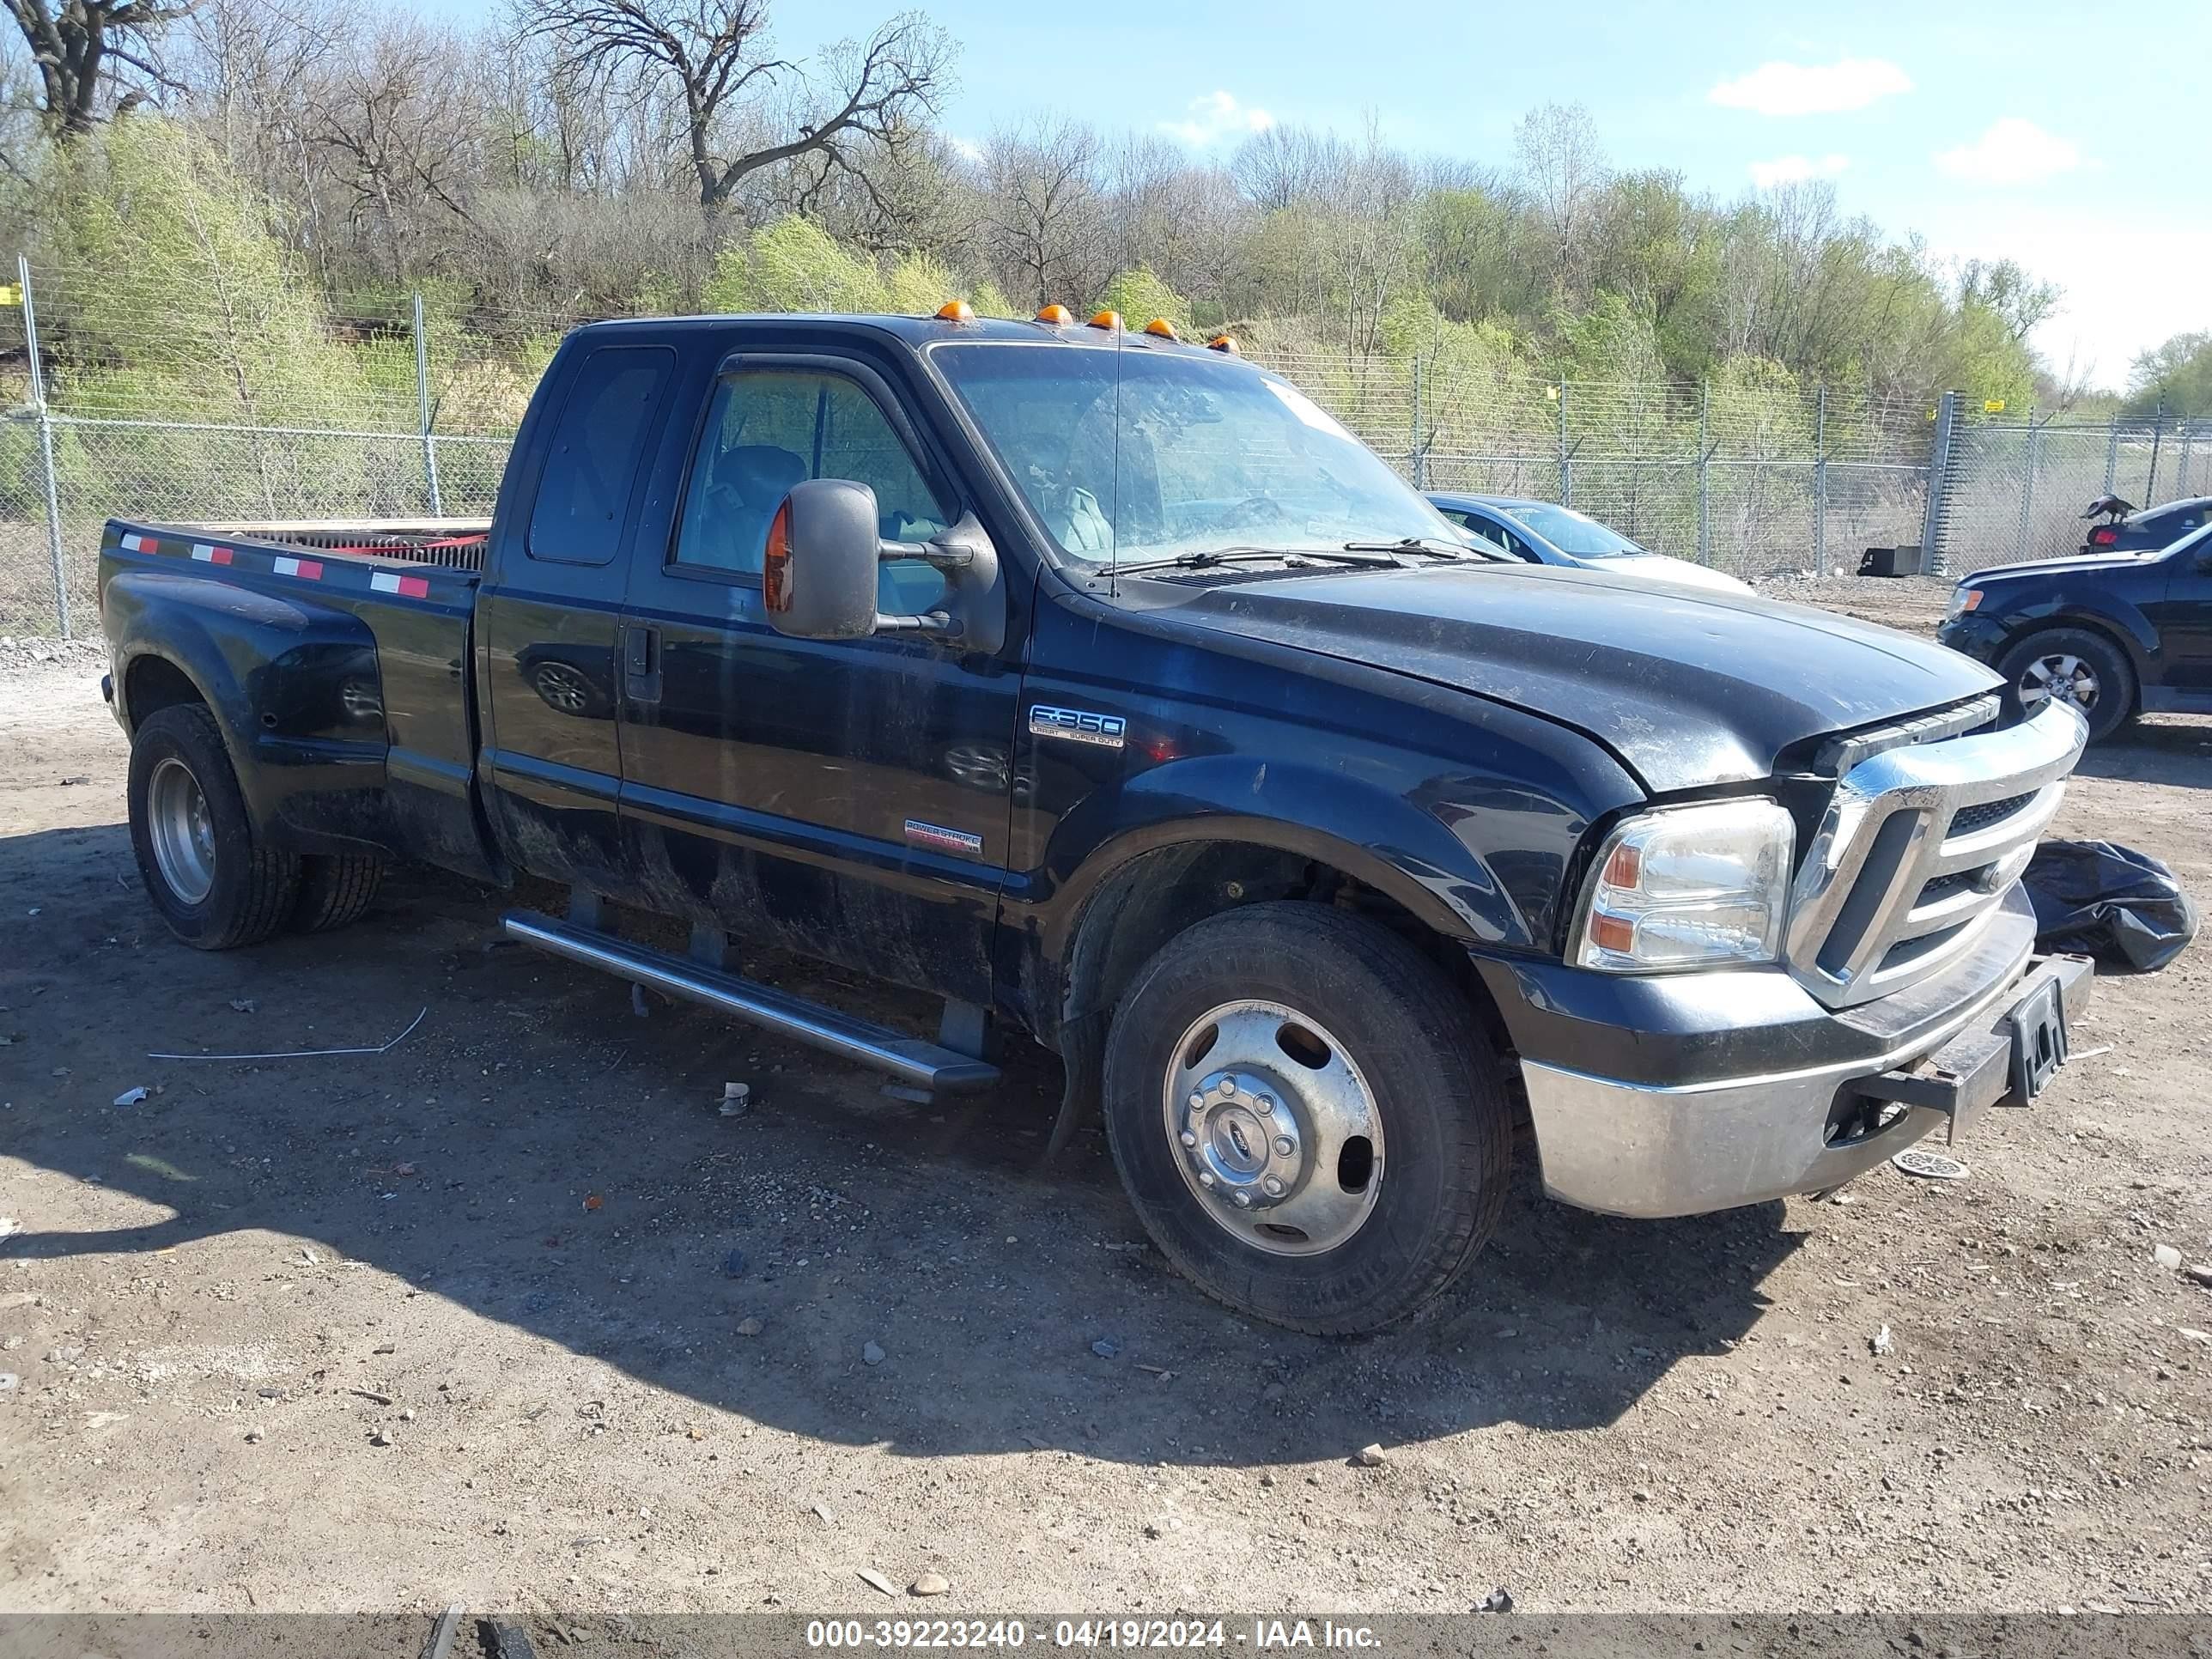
[(1078, 726)]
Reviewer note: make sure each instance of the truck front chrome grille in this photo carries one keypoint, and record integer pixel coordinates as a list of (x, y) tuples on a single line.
[(1918, 846)]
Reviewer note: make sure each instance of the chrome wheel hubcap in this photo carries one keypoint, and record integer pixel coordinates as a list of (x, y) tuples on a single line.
[(1274, 1127), (183, 834), (2061, 676)]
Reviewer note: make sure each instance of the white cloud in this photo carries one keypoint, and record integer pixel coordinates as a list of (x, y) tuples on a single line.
[(1796, 169), (967, 149), (1812, 88), (1217, 116), (2013, 151)]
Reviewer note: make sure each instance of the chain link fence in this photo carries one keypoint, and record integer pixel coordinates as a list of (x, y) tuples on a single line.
[(2016, 491), (1756, 476), (199, 471), (1750, 473)]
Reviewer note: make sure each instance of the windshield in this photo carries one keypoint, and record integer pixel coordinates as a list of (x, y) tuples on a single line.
[(1574, 534), (1213, 454)]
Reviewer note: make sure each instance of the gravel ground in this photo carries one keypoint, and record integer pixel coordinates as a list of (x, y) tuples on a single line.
[(509, 1314)]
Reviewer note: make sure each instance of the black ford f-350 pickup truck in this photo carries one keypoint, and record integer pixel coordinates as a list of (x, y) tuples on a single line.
[(1101, 684)]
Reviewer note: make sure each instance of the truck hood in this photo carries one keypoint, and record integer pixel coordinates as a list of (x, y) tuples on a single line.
[(1687, 687)]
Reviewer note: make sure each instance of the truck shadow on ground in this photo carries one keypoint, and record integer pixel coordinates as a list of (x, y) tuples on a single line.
[(540, 1157)]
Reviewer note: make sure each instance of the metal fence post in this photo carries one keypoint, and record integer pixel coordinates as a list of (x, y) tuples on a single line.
[(2111, 451), (46, 447), (2181, 464), (1821, 479), (2028, 487), (422, 399), (2157, 432), (1939, 468), (1705, 482), (1567, 466), (1420, 451)]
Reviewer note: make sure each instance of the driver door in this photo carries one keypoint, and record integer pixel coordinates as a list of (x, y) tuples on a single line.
[(847, 799)]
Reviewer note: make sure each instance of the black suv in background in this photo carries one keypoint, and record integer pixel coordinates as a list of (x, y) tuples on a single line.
[(2116, 634)]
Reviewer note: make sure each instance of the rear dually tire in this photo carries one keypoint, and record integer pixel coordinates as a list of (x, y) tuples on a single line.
[(213, 882)]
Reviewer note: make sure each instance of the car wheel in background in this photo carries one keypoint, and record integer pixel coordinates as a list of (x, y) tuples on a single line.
[(2077, 666)]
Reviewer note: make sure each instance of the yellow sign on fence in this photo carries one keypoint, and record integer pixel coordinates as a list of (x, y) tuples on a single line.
[(11, 293), (1992, 405)]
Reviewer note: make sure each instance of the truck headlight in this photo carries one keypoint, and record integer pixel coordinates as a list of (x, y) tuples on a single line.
[(1963, 600), (1688, 887)]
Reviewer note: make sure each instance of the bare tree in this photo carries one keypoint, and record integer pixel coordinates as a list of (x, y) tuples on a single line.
[(715, 55), (1564, 167), (1367, 245), (1045, 219), (920, 195), (1284, 165), (89, 50), (395, 121)]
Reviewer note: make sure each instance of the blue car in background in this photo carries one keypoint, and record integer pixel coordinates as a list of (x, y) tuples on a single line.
[(1543, 532)]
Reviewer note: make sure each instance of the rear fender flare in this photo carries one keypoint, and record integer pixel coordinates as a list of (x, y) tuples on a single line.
[(270, 669)]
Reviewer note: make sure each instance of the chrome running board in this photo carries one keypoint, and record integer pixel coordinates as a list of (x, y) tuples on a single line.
[(911, 1060)]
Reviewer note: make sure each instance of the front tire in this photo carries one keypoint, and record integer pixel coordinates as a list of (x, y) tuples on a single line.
[(2077, 666), (1307, 1118), (215, 884)]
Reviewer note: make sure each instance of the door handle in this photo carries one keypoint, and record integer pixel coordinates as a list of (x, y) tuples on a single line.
[(641, 661)]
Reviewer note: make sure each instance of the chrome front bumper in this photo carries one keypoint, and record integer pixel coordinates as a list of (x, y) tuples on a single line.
[(1669, 1146)]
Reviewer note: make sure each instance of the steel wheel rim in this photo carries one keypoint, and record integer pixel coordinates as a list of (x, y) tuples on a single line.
[(1274, 1127), (2061, 675), (183, 833)]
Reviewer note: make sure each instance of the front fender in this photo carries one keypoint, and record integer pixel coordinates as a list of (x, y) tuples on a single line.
[(2104, 613), (1391, 844)]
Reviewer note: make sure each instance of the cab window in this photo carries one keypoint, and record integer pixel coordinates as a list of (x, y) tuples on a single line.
[(768, 429)]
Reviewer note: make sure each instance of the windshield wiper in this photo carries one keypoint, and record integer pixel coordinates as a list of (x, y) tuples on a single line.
[(1293, 555), (1433, 545)]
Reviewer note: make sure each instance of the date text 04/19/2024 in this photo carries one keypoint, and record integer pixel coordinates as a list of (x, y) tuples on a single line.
[(1261, 1634)]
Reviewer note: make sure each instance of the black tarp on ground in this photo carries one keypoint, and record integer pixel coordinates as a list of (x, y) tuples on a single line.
[(2098, 898)]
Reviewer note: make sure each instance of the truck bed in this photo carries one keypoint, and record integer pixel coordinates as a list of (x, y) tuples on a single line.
[(357, 721), (346, 553)]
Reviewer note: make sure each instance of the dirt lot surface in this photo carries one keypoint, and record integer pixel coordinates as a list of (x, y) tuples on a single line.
[(509, 1314)]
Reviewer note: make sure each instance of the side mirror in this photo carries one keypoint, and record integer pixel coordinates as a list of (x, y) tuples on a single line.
[(819, 572)]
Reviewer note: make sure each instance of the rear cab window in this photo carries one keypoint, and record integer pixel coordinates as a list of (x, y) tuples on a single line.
[(593, 457)]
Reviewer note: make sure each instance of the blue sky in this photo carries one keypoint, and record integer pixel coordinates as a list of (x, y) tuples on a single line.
[(1989, 128)]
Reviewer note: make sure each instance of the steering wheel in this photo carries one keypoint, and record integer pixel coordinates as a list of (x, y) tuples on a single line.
[(1254, 509)]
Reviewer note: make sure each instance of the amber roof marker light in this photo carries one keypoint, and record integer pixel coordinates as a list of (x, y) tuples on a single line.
[(1223, 343), (1107, 319), (955, 311), (1055, 316), (1161, 327)]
